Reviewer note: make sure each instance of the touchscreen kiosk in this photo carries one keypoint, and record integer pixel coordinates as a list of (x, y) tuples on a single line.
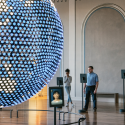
[(83, 78), (56, 96), (59, 80), (123, 73)]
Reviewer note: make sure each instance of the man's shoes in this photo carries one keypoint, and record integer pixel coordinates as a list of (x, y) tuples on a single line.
[(94, 110), (85, 110)]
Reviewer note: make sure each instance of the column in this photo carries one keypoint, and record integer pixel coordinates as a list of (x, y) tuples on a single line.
[(72, 44)]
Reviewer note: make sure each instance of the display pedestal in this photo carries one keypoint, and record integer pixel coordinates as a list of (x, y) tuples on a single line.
[(123, 110), (123, 76), (83, 79), (82, 111), (54, 115)]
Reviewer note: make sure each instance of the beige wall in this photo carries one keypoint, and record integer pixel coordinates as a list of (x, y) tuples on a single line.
[(103, 36)]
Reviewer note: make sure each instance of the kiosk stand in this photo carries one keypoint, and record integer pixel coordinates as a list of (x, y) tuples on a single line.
[(54, 115), (59, 82), (59, 102), (123, 77), (83, 79)]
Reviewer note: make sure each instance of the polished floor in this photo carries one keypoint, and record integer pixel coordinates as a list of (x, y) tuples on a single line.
[(107, 114)]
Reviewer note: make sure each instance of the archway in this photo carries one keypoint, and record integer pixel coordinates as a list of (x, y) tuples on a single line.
[(103, 43), (107, 5)]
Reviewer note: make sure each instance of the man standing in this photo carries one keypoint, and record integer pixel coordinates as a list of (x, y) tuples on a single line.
[(91, 87)]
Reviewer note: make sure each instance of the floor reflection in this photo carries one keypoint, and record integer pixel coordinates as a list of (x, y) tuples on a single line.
[(37, 117), (87, 121), (69, 109), (107, 114), (95, 118)]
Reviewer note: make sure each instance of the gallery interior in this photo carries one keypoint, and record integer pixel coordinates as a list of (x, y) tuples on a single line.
[(62, 62)]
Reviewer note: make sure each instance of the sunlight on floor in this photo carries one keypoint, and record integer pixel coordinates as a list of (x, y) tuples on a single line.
[(36, 102)]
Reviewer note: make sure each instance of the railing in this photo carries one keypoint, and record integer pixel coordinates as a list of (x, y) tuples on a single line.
[(7, 110), (79, 120)]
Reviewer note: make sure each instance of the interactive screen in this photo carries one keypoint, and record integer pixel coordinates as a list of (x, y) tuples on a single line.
[(56, 96)]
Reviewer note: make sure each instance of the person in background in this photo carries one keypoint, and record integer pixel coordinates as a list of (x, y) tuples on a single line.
[(91, 87), (67, 81)]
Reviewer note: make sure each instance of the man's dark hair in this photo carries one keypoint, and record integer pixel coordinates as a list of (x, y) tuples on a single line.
[(67, 70), (55, 93), (91, 67)]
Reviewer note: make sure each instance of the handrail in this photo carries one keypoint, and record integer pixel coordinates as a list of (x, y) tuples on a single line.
[(1, 109)]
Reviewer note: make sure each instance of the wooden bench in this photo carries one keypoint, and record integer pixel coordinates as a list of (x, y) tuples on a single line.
[(115, 95)]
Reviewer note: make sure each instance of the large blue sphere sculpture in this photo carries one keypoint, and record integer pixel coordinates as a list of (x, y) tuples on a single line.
[(31, 44)]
